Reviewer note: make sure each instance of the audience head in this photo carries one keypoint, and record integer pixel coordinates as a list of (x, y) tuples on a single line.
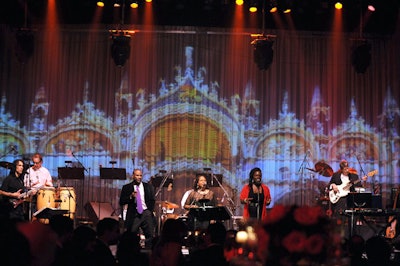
[(378, 250), (108, 230)]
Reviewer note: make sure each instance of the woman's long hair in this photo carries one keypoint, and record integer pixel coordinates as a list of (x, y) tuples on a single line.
[(251, 175)]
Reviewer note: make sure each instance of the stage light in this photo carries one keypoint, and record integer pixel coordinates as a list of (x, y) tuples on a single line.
[(361, 56), (100, 3), (134, 4), (371, 8), (273, 6), (239, 2), (25, 45), (253, 6), (338, 5), (120, 48), (263, 52)]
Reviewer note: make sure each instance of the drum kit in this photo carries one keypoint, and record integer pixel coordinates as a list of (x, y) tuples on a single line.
[(168, 209)]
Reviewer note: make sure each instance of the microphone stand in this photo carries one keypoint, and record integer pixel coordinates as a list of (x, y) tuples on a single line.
[(158, 192), (233, 207), (362, 171), (301, 172), (84, 168), (5, 154)]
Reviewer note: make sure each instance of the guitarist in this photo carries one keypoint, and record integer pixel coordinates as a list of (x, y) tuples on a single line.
[(12, 187), (343, 176)]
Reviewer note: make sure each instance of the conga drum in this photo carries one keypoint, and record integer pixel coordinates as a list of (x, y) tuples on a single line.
[(68, 200), (46, 198)]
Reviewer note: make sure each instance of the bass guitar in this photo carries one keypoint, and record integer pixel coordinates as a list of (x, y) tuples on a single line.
[(344, 189), (391, 229)]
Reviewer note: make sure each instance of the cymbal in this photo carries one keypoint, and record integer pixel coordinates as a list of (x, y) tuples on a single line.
[(352, 171), (323, 169), (168, 205), (6, 165)]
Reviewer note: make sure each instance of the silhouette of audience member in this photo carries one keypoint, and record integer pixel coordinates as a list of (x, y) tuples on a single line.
[(378, 251), (42, 240), (63, 226), (15, 247), (168, 249), (129, 251), (356, 248), (230, 246), (213, 253), (107, 234), (79, 251)]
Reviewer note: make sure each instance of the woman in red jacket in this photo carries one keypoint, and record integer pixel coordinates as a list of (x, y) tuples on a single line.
[(255, 196)]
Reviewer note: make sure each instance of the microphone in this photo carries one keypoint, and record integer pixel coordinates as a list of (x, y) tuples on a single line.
[(172, 176), (13, 149), (212, 180)]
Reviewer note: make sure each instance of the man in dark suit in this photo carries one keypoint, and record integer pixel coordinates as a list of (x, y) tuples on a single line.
[(140, 198)]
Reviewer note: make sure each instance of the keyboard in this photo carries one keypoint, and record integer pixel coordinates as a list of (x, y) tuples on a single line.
[(372, 212)]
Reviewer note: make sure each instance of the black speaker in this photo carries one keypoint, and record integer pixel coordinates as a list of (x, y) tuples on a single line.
[(99, 210)]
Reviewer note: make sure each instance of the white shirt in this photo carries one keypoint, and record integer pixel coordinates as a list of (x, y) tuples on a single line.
[(345, 179), (38, 178)]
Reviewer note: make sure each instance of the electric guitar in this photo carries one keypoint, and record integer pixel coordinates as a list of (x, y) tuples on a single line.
[(344, 189), (391, 229), (23, 196)]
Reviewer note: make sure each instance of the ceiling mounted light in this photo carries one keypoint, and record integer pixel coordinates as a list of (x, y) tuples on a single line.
[(120, 48), (134, 4), (253, 6), (273, 6), (361, 56), (338, 5), (239, 2), (263, 52), (371, 8), (25, 45)]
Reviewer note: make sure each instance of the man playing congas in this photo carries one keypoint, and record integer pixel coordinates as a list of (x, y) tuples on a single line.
[(38, 177)]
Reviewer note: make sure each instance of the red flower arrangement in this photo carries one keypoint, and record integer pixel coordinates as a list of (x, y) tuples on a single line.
[(295, 235)]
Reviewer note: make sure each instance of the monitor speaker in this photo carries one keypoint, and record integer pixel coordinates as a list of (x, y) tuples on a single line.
[(99, 210)]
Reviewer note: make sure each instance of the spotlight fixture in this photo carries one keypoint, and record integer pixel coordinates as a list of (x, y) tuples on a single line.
[(253, 6), (25, 44), (273, 6), (120, 47), (263, 52), (361, 56), (338, 5), (239, 2)]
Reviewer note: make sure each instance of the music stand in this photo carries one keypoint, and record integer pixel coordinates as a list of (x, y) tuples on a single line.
[(207, 213), (113, 173), (359, 200), (156, 181), (71, 173), (47, 213)]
